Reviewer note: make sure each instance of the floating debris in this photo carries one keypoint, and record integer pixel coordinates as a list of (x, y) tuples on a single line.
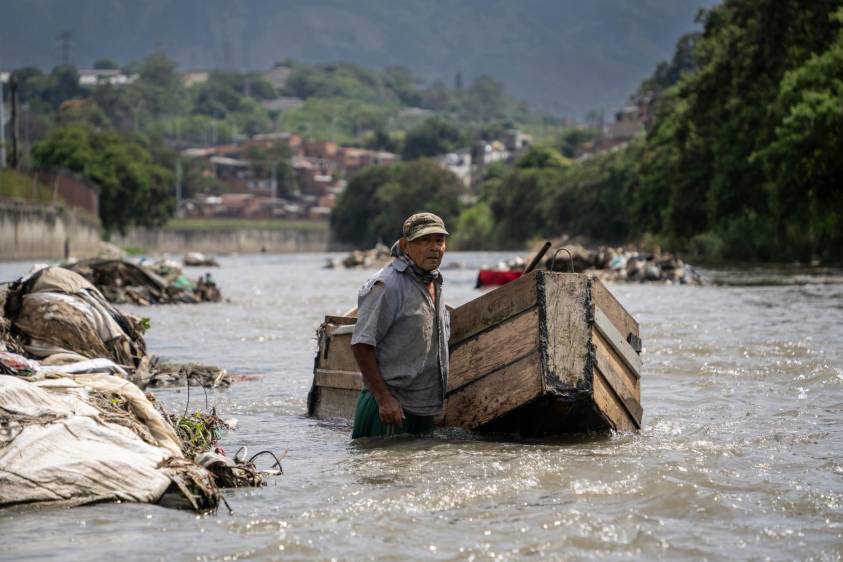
[(626, 265), (613, 265), (160, 282), (180, 374), (374, 258), (197, 259)]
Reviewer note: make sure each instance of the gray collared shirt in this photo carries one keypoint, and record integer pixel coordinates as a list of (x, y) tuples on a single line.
[(410, 333)]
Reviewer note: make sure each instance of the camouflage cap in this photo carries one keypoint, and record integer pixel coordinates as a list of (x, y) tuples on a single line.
[(422, 224)]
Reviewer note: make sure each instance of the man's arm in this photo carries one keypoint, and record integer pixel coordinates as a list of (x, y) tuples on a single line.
[(388, 407)]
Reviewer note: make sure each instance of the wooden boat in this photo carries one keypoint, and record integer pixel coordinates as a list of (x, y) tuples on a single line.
[(548, 353)]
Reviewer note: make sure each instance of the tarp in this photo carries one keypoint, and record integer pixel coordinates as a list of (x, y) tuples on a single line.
[(58, 445), (60, 312)]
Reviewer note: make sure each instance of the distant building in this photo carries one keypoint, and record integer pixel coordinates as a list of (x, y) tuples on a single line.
[(278, 76), (320, 168), (102, 77), (282, 104), (459, 164), (516, 140), (192, 77)]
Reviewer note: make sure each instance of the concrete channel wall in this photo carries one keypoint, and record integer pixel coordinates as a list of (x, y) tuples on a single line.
[(243, 241), (29, 231)]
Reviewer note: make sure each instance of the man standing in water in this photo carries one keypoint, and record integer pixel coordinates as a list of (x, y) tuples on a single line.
[(400, 340)]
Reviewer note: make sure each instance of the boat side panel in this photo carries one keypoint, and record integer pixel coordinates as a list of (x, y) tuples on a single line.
[(493, 349), (492, 308), (333, 402), (619, 376), (338, 379), (336, 353), (569, 316), (614, 310), (610, 405), (495, 394)]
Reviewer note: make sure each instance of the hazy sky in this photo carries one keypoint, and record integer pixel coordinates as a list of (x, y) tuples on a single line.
[(565, 55)]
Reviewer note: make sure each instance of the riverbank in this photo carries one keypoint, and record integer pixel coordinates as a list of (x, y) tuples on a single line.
[(229, 236), (35, 231)]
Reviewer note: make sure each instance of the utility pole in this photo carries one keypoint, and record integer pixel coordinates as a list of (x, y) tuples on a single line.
[(178, 185), (64, 39), (274, 182), (2, 125), (13, 93)]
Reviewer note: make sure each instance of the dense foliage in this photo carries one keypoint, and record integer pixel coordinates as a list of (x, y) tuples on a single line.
[(377, 199), (133, 189), (743, 161)]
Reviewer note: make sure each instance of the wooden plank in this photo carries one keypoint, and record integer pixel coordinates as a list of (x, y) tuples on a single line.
[(610, 405), (493, 349), (493, 307), (335, 402), (340, 320), (619, 376), (568, 329), (338, 379), (618, 342), (495, 394), (614, 310), (342, 330), (338, 356)]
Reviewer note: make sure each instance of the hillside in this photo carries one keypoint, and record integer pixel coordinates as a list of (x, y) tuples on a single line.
[(566, 56)]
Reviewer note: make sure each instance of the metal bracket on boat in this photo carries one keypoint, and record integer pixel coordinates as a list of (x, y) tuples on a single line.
[(553, 259)]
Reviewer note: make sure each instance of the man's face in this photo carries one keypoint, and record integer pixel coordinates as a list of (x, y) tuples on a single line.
[(426, 251)]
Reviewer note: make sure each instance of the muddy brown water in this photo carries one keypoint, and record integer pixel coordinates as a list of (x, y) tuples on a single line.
[(741, 455)]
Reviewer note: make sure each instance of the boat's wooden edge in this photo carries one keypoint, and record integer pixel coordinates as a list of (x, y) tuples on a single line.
[(614, 310), (325, 402), (492, 308), (493, 349), (618, 378), (349, 380), (340, 320), (611, 406), (486, 402), (618, 343)]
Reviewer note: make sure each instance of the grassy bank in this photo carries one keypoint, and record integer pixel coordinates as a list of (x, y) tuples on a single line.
[(16, 185), (200, 225)]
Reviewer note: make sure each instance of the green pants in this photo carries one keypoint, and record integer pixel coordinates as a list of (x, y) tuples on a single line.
[(367, 420)]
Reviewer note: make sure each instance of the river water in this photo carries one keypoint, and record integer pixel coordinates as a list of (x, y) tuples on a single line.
[(740, 457)]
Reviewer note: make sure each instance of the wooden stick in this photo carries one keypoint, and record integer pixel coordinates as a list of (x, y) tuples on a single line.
[(537, 258)]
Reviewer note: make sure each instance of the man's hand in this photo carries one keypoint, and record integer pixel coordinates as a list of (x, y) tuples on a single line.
[(389, 409)]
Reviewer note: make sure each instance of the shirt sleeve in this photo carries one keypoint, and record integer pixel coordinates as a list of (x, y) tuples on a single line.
[(374, 315)]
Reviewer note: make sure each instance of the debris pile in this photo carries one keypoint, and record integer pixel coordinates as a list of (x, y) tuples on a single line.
[(74, 430), (72, 439), (58, 318), (374, 258), (197, 259), (626, 265), (161, 282)]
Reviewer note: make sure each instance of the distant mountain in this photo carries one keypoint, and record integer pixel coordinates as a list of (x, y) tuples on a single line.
[(567, 56)]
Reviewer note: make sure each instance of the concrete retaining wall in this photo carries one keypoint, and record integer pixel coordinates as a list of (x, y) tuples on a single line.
[(29, 231), (245, 241)]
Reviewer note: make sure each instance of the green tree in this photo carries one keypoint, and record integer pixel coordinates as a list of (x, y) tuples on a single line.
[(519, 199), (133, 189), (433, 137), (803, 162), (106, 64), (379, 198)]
